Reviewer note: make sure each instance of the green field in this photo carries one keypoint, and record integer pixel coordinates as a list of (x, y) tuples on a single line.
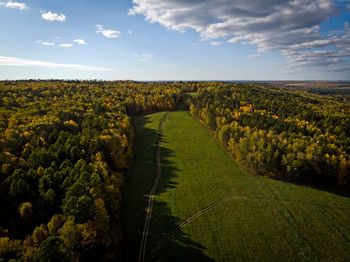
[(254, 218)]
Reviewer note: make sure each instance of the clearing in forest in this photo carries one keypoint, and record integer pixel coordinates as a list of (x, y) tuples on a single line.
[(205, 207)]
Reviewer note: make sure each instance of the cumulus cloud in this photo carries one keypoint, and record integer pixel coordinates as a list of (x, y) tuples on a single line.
[(15, 61), (289, 26), (66, 45), (108, 33), (14, 5), (80, 41), (50, 16)]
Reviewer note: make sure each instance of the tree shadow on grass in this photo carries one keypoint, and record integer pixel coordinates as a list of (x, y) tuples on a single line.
[(136, 194)]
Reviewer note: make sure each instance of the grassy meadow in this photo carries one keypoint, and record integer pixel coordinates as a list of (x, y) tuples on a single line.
[(255, 218)]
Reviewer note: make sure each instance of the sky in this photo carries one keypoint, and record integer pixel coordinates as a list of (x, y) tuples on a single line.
[(175, 40)]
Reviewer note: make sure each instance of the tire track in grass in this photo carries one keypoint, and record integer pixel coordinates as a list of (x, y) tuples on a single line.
[(213, 205), (151, 195), (183, 223)]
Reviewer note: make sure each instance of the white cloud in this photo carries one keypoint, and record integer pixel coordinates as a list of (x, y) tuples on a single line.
[(50, 16), (14, 5), (109, 33), (146, 57), (129, 32), (238, 39), (289, 26), (80, 41), (66, 45), (47, 43), (44, 43), (215, 43), (14, 61)]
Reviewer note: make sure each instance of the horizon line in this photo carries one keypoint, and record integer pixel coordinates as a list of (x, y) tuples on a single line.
[(163, 80)]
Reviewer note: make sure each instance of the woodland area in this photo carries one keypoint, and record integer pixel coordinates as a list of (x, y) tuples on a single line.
[(66, 147), (271, 131)]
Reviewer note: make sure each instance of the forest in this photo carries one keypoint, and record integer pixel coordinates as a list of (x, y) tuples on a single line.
[(67, 146), (283, 134)]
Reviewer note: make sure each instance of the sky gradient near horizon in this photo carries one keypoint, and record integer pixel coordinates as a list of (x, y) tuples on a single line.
[(175, 40)]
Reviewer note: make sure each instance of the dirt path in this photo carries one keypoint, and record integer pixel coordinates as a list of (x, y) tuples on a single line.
[(151, 195)]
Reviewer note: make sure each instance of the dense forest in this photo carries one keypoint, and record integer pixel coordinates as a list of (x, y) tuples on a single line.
[(66, 147), (281, 133)]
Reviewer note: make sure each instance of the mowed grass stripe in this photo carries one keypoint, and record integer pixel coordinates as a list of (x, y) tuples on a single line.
[(265, 220)]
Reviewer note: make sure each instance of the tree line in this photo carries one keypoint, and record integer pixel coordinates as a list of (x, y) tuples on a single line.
[(280, 133)]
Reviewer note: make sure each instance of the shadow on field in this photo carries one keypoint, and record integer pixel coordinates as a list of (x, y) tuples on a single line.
[(337, 190), (136, 194), (178, 246)]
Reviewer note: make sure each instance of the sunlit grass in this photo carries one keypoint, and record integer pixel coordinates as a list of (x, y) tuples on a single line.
[(264, 219)]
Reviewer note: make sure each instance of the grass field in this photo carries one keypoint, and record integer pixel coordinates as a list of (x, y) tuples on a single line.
[(254, 218)]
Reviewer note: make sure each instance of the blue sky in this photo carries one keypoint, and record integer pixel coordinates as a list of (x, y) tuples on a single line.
[(175, 40)]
